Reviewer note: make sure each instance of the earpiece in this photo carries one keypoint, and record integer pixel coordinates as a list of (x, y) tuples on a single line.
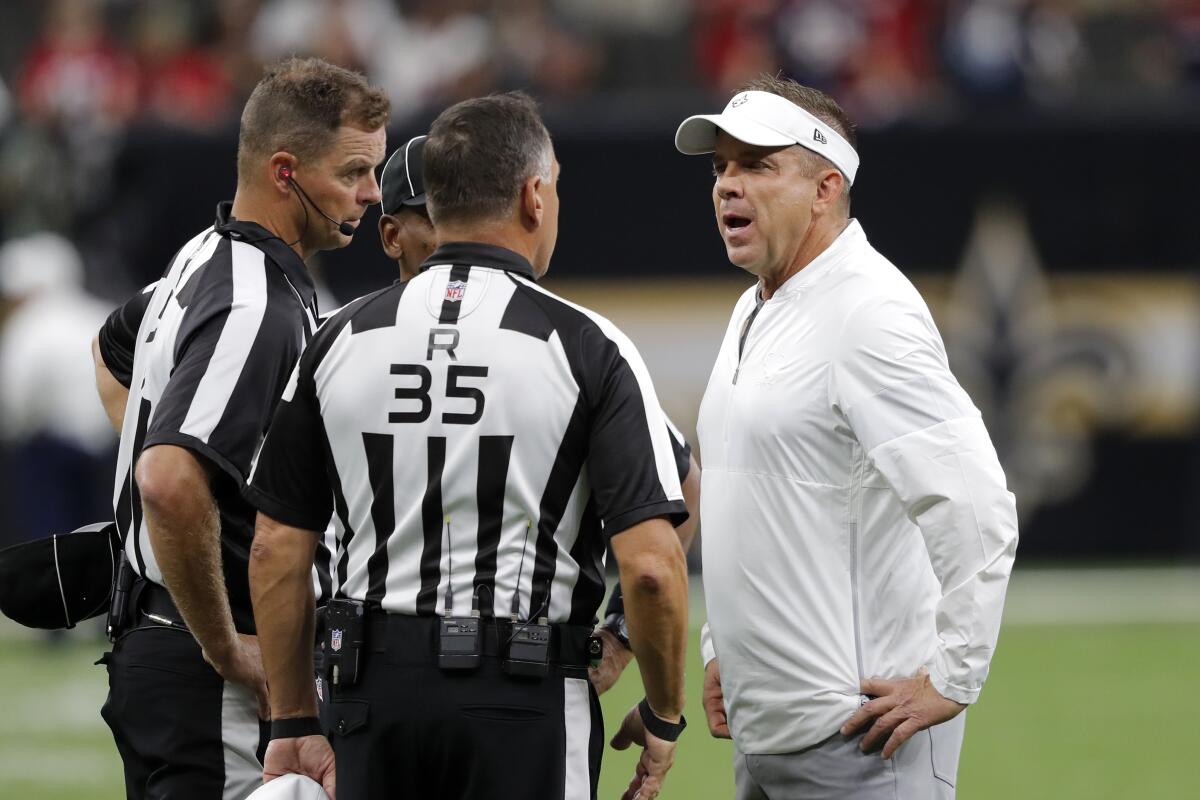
[(344, 228)]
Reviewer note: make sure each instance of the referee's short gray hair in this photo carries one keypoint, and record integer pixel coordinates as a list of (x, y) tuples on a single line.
[(480, 152)]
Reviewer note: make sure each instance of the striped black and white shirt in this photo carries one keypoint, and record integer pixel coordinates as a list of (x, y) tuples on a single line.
[(469, 431), (214, 343), (325, 577)]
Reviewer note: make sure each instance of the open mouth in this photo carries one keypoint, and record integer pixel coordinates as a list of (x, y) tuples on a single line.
[(735, 225)]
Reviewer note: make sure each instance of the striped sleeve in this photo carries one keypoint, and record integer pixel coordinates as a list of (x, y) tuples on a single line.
[(629, 438), (631, 462), (118, 337), (236, 346)]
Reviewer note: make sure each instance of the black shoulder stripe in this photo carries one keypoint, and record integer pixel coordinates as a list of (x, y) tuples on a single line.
[(378, 310), (452, 304), (523, 315), (184, 294), (375, 310)]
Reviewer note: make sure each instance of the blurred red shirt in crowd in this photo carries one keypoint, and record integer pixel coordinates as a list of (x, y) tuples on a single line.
[(74, 73)]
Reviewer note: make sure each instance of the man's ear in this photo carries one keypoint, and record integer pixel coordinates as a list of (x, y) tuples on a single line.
[(829, 189), (389, 236), (280, 166), (531, 206)]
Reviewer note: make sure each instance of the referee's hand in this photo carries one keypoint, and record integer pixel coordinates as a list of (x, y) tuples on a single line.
[(311, 756), (242, 664), (657, 757)]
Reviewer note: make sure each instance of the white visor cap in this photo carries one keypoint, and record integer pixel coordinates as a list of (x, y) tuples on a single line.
[(767, 120), (290, 787)]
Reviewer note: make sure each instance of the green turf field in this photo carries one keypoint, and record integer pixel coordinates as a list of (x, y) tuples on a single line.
[(1081, 711)]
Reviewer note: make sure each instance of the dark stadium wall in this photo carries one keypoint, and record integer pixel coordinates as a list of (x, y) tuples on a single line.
[(1058, 255)]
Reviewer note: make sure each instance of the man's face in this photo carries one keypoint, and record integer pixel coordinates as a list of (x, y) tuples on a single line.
[(763, 199), (342, 183), (408, 238), (548, 191)]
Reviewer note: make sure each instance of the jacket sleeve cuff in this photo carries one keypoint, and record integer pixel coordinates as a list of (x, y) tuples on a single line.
[(707, 651), (951, 691)]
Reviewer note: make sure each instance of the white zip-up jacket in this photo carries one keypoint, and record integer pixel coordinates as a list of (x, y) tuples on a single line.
[(856, 521)]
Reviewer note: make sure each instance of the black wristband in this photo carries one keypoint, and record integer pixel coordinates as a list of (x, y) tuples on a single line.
[(667, 731), (295, 726)]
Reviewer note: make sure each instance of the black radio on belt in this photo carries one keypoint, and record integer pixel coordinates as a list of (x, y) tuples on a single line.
[(343, 641), (460, 639), (528, 650), (460, 644), (119, 612)]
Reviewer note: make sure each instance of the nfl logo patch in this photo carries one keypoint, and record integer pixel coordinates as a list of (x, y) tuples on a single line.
[(455, 291), (335, 640)]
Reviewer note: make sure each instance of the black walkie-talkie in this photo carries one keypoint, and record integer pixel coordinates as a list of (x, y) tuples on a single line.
[(343, 642), (118, 607), (460, 639), (529, 650)]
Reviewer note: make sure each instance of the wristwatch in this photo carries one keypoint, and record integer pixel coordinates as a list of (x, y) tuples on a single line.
[(616, 625)]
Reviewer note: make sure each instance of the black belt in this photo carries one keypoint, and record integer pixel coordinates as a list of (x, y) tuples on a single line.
[(568, 643), (155, 604)]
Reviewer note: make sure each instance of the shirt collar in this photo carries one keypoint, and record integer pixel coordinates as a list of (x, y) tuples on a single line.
[(846, 243), (476, 254), (289, 263)]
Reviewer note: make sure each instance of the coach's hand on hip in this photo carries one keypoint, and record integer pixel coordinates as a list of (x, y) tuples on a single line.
[(714, 701), (311, 756), (242, 663), (616, 658), (901, 707), (657, 757)]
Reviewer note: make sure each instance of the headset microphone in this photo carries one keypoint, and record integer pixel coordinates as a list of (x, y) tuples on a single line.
[(344, 228)]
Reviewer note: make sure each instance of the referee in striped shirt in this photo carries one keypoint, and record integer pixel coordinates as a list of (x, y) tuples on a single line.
[(480, 440), (408, 237), (205, 355)]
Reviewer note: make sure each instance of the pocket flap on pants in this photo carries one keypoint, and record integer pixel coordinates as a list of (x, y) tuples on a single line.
[(347, 716)]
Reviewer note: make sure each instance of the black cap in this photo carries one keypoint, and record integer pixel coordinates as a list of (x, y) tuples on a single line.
[(60, 580), (401, 182)]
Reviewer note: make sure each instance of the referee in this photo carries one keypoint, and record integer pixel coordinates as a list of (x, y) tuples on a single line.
[(481, 440), (205, 355), (408, 237)]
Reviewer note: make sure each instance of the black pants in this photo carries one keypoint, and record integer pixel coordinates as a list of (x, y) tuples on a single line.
[(410, 730), (182, 731)]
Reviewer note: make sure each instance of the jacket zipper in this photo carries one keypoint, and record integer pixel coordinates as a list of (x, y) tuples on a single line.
[(758, 304)]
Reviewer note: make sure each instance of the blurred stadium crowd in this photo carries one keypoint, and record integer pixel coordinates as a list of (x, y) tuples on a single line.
[(80, 79), (76, 74)]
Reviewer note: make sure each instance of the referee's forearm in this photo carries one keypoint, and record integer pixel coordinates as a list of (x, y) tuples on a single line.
[(654, 577), (185, 534), (281, 561)]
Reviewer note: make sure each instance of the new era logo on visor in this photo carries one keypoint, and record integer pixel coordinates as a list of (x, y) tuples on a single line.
[(737, 101), (819, 137), (455, 290)]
